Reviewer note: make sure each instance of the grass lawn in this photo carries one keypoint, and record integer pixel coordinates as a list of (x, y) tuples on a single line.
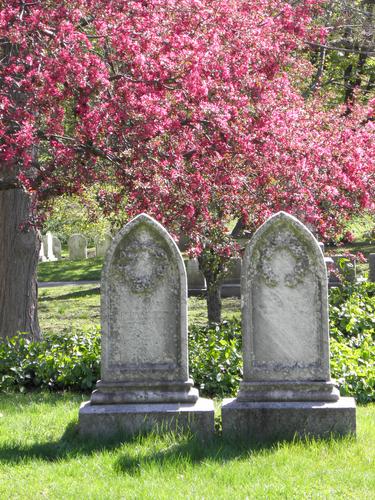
[(70, 270), (64, 308), (41, 456)]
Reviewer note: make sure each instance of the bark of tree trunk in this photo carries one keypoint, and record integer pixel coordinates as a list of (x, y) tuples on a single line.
[(213, 302), (19, 253)]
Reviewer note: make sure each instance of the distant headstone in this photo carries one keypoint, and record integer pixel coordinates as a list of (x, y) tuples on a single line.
[(47, 240), (144, 370), (371, 263), (287, 388), (42, 256), (56, 247), (195, 277), (231, 285), (77, 245), (102, 244)]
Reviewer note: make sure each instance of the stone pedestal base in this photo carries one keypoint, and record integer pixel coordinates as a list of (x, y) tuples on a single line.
[(267, 421), (122, 393), (130, 419), (288, 391)]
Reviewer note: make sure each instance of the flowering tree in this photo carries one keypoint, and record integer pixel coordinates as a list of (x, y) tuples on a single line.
[(190, 108)]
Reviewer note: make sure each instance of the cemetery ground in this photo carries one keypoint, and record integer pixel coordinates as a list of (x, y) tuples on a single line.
[(41, 456)]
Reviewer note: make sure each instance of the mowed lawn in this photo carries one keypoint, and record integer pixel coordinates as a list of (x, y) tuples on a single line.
[(41, 456)]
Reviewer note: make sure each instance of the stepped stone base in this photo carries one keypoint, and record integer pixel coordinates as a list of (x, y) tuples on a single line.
[(288, 391), (266, 421), (130, 419)]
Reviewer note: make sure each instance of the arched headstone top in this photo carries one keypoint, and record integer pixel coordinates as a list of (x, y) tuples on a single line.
[(148, 244), (285, 304), (283, 232), (144, 317)]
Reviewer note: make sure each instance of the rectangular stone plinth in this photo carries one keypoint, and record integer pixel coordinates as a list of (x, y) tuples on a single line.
[(131, 419), (265, 421)]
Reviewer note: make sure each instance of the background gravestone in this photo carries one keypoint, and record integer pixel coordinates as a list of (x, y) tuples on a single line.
[(195, 277), (102, 244), (56, 247), (42, 255), (144, 369), (77, 245), (231, 284), (47, 241), (286, 387)]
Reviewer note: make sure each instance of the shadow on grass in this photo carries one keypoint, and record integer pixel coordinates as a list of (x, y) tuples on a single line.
[(187, 450), (144, 451), (72, 295), (69, 445), (171, 449)]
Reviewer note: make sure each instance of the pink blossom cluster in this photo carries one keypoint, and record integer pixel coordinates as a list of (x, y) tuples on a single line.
[(191, 108)]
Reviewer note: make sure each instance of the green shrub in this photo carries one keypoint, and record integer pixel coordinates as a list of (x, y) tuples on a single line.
[(215, 357), (352, 311), (353, 367), (57, 362), (352, 328)]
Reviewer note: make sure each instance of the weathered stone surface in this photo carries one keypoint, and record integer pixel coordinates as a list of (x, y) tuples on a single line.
[(286, 388), (195, 277), (77, 245), (144, 318), (371, 263), (144, 336), (263, 421), (56, 247), (284, 304), (130, 419), (102, 244)]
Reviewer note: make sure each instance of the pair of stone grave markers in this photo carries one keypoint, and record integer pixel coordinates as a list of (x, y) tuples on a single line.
[(144, 376)]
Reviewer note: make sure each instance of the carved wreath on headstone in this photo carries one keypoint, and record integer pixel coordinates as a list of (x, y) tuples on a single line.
[(142, 265), (262, 260)]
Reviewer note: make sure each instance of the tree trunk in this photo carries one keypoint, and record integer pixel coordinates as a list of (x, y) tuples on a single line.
[(19, 253), (213, 302)]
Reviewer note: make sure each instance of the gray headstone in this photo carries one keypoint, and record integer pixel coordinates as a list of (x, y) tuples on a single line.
[(102, 244), (56, 246), (144, 367), (231, 285), (77, 245), (285, 330), (47, 240), (371, 263), (285, 304), (195, 277), (42, 256)]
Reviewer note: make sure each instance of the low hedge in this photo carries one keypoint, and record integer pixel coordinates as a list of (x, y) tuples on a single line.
[(73, 361)]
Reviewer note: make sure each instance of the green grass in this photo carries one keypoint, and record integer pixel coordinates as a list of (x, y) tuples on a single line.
[(69, 270), (65, 308), (41, 456)]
